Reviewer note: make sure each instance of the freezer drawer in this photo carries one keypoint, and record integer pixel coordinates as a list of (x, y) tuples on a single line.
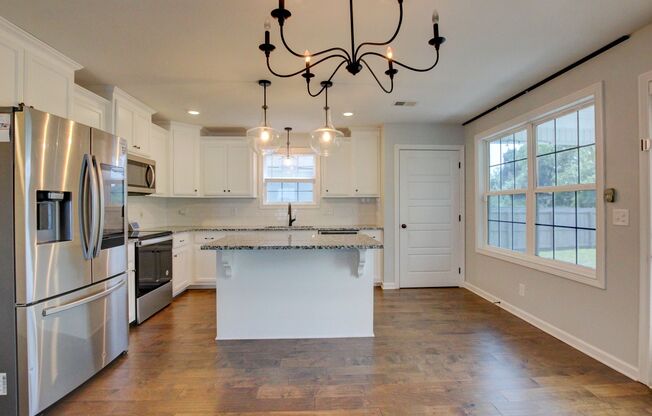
[(62, 342)]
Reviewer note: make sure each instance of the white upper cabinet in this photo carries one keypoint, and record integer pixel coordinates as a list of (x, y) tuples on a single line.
[(353, 170), (365, 156), (336, 172), (213, 167), (34, 73), (240, 169), (132, 121), (228, 168), (159, 148), (184, 158), (90, 109)]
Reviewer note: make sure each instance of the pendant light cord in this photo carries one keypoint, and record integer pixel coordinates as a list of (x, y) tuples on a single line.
[(265, 105), (326, 108)]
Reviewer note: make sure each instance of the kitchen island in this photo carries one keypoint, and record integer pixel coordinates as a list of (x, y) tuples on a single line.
[(272, 287)]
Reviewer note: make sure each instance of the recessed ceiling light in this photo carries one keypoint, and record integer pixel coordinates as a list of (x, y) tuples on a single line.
[(193, 112), (348, 114)]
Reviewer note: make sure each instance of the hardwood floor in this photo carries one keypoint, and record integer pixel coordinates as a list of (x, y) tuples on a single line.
[(436, 352)]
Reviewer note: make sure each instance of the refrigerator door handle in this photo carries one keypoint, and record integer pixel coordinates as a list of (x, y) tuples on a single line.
[(86, 224), (100, 195), (56, 309)]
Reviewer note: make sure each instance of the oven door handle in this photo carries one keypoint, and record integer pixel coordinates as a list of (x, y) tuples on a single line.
[(153, 241), (56, 309)]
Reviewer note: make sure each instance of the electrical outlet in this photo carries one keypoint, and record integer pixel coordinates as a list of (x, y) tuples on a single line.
[(620, 217), (521, 289)]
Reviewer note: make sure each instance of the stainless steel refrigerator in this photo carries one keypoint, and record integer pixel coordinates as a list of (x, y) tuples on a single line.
[(63, 256)]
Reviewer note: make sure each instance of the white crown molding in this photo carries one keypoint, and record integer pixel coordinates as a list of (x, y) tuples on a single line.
[(29, 41)]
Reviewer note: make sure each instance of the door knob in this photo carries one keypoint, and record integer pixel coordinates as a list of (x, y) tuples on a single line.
[(403, 225)]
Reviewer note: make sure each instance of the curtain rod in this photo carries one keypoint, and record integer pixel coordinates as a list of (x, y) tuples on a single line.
[(551, 77)]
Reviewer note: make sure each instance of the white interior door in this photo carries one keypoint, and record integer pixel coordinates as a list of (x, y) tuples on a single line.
[(429, 218)]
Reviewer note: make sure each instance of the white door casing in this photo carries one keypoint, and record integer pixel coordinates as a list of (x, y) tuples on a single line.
[(645, 190), (430, 209)]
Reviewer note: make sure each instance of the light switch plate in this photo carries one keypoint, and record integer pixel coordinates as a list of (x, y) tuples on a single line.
[(620, 217), (3, 384)]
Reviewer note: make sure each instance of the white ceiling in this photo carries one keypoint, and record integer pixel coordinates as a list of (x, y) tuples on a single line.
[(203, 54)]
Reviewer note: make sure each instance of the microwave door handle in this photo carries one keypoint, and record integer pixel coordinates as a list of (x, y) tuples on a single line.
[(84, 181), (150, 173), (100, 199)]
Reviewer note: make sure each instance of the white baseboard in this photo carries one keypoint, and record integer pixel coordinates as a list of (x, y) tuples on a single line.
[(202, 286), (389, 285), (575, 342)]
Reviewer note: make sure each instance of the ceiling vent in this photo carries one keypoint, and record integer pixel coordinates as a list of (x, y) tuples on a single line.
[(405, 103)]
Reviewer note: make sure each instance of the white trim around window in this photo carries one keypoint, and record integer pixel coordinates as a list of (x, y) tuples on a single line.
[(315, 181), (593, 277)]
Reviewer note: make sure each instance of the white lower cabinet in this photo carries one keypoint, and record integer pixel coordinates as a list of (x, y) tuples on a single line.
[(379, 262), (181, 263), (205, 261)]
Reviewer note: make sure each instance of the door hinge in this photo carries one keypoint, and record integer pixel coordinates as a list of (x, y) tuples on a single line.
[(459, 270), (646, 144), (459, 165), (459, 218)]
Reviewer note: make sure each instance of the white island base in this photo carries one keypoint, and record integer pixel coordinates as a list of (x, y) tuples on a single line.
[(295, 293)]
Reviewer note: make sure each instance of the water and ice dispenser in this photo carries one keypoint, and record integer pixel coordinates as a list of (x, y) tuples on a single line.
[(53, 216)]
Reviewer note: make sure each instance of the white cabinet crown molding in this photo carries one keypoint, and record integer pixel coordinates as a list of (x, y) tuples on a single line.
[(35, 45), (123, 96)]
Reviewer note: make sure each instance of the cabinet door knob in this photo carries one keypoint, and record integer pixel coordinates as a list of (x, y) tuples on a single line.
[(403, 225), (229, 190), (356, 190)]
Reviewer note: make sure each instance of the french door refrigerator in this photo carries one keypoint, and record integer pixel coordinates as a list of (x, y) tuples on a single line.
[(63, 256)]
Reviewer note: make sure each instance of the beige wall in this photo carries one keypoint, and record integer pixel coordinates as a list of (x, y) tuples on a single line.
[(406, 133), (606, 319)]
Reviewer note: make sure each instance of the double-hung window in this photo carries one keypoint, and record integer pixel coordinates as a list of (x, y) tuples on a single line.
[(293, 182), (539, 189)]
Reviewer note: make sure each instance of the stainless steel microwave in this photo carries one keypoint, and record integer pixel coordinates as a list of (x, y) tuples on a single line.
[(141, 175)]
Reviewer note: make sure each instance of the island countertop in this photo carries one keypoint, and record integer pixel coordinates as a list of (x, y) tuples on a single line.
[(233, 228), (317, 242)]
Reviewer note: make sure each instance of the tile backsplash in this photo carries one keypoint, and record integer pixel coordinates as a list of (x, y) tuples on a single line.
[(154, 212)]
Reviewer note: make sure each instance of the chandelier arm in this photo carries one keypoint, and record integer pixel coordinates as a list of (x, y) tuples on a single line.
[(398, 29), (293, 52), (304, 69), (328, 80), (401, 64), (391, 88)]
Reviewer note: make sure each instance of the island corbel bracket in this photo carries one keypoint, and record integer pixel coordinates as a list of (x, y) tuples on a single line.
[(362, 261), (227, 263)]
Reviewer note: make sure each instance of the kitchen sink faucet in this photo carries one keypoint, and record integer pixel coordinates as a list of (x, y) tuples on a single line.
[(290, 219)]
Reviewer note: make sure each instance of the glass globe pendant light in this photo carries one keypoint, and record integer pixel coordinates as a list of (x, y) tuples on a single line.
[(326, 140), (289, 162), (264, 139)]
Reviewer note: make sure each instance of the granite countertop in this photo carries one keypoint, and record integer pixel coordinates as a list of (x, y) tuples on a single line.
[(191, 228), (318, 242)]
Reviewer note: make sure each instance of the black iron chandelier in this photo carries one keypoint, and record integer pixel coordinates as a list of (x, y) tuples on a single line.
[(355, 59)]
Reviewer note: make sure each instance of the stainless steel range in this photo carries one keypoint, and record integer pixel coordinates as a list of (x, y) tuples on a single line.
[(153, 272), (63, 256)]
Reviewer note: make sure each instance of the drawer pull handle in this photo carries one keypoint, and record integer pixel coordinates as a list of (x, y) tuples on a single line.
[(66, 306)]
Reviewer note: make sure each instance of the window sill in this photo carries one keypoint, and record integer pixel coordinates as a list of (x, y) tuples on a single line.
[(568, 271)]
